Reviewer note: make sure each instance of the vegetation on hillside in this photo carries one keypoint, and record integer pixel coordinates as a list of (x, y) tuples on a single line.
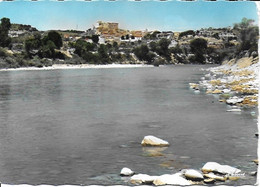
[(36, 48)]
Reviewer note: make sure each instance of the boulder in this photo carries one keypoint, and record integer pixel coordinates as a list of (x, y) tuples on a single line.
[(216, 167), (142, 178), (126, 172), (153, 141), (175, 179), (215, 177), (234, 100), (194, 175)]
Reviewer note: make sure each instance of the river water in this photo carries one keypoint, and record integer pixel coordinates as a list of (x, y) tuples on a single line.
[(83, 126)]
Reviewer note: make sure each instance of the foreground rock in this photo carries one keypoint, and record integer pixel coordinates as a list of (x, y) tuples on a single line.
[(215, 177), (215, 167), (142, 179), (175, 179), (192, 174), (154, 141), (126, 172), (167, 179)]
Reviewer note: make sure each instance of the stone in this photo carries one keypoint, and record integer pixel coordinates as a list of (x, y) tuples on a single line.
[(216, 167), (255, 161), (234, 110), (215, 177), (226, 91), (253, 173), (192, 174), (217, 91), (194, 86), (209, 91), (126, 172), (175, 179), (154, 141), (142, 178), (234, 100), (209, 181)]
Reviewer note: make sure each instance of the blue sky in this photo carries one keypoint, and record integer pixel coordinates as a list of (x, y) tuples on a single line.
[(152, 15)]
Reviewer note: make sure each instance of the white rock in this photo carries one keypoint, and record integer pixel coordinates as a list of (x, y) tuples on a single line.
[(234, 100), (154, 141), (225, 91), (174, 179), (234, 110), (193, 174), (126, 172), (215, 167), (207, 75), (142, 178), (216, 177)]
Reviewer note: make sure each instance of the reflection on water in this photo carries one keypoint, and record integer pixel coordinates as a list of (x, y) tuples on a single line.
[(84, 126)]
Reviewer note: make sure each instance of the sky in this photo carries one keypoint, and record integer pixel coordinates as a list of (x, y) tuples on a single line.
[(172, 15)]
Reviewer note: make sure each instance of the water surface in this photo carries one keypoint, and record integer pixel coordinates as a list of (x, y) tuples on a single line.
[(83, 126)]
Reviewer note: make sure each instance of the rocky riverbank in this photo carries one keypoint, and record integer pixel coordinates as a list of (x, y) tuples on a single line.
[(210, 173), (235, 82)]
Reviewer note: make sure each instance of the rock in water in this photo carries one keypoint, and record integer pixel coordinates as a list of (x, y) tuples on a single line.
[(153, 141), (142, 178), (215, 167), (209, 181), (234, 110), (174, 179), (194, 175), (215, 177), (126, 172)]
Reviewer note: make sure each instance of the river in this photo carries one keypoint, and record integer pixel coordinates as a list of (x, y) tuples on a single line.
[(83, 126)]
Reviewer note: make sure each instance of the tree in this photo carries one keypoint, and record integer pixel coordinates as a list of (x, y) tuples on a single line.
[(55, 37), (48, 50), (248, 35), (102, 53), (199, 47), (142, 52), (5, 24), (186, 33), (81, 47), (4, 28), (153, 46), (95, 38)]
